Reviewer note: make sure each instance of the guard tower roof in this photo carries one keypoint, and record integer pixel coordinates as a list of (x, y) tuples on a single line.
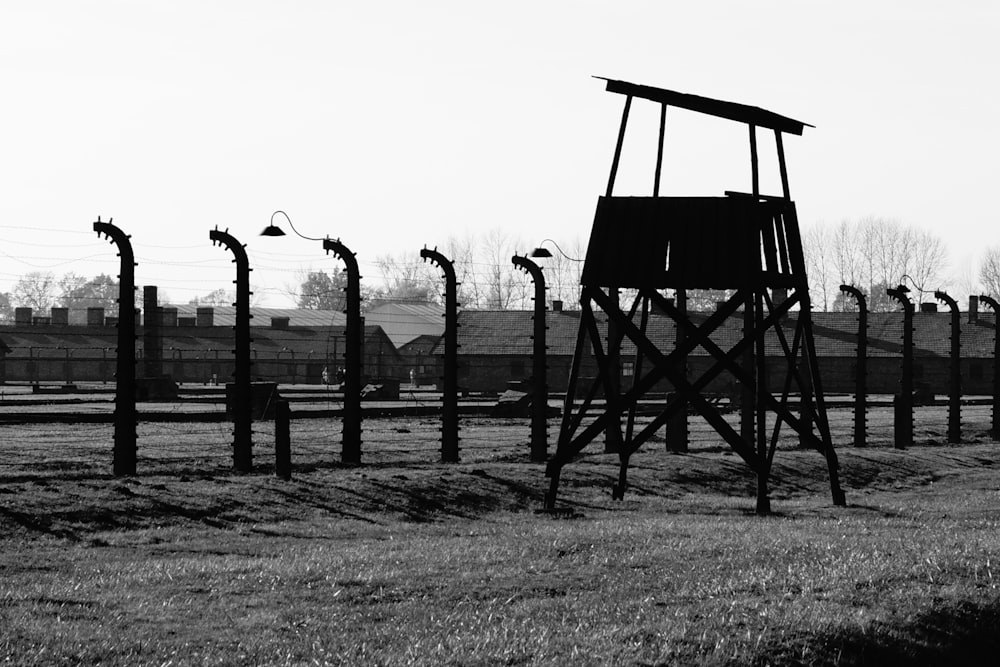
[(730, 110)]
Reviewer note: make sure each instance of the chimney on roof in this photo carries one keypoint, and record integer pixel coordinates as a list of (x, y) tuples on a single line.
[(973, 309), (280, 322), (168, 316), (150, 306), (22, 316), (557, 305), (152, 338), (60, 317), (95, 316), (205, 316), (928, 307)]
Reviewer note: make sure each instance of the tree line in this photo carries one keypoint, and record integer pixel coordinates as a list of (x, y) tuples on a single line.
[(871, 253), (487, 278), (42, 290)]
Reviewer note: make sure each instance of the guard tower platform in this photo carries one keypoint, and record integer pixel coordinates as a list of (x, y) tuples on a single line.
[(745, 243)]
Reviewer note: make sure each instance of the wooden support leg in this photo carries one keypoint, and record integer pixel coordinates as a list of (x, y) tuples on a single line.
[(618, 490), (550, 497), (809, 348), (760, 412), (763, 501)]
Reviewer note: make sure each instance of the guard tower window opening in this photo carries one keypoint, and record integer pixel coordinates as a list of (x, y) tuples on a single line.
[(700, 154)]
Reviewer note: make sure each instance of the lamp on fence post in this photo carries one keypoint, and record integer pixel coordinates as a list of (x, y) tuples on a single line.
[(544, 253), (353, 339), (613, 433), (353, 348)]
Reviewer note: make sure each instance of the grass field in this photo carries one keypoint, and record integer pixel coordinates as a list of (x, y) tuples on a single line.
[(404, 560)]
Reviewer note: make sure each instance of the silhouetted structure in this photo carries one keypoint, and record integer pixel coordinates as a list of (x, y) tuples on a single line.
[(353, 341), (242, 391), (745, 242), (860, 368), (954, 370), (539, 381), (903, 407), (992, 303), (282, 439), (676, 439), (126, 416), (449, 396), (152, 338)]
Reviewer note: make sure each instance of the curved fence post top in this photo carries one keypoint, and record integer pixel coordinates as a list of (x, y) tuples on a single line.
[(857, 294), (989, 301), (529, 267), (224, 238), (110, 230), (943, 296), (900, 294), (440, 260), (342, 252), (117, 236)]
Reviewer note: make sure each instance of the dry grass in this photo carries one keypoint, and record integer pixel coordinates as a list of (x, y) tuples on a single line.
[(407, 561)]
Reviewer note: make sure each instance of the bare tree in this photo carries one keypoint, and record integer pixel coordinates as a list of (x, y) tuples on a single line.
[(6, 309), (925, 256), (487, 278), (79, 292), (820, 257), (462, 253), (964, 280), (563, 272), (989, 271), (874, 254), (506, 286), (35, 290), (406, 280), (219, 297)]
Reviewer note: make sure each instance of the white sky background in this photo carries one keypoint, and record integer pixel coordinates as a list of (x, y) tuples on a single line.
[(396, 124)]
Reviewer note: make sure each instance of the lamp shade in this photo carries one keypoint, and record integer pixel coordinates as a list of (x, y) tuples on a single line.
[(272, 230)]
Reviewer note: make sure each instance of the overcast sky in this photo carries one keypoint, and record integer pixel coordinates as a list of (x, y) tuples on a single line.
[(396, 124)]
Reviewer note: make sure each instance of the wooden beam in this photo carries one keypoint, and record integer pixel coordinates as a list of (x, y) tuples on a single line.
[(659, 151), (618, 146), (741, 113), (781, 164)]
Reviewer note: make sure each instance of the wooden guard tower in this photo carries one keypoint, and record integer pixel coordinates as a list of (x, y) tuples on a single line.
[(745, 242)]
